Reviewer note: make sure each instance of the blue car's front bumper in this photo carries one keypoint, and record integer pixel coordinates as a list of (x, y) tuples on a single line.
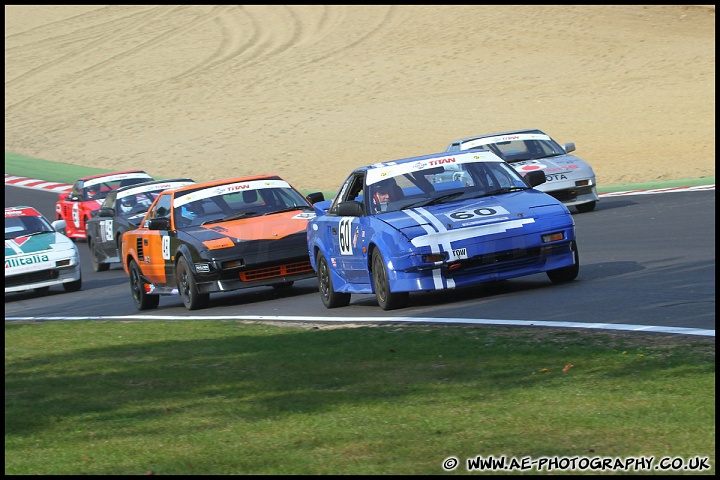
[(490, 267)]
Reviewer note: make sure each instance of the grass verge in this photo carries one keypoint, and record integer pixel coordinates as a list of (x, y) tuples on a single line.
[(233, 397)]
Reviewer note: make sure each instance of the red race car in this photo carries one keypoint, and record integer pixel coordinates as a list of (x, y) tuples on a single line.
[(86, 196)]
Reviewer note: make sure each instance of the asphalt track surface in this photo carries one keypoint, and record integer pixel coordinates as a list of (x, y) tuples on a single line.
[(647, 264)]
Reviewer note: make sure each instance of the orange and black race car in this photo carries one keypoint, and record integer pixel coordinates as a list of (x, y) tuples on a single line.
[(219, 236)]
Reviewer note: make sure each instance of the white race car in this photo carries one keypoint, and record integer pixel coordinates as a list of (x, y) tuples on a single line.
[(569, 179), (37, 256)]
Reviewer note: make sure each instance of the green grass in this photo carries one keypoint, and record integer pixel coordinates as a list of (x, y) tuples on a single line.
[(232, 397), (22, 166)]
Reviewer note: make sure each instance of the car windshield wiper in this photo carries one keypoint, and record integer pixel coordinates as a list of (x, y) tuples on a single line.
[(39, 232), (232, 216), (289, 209), (502, 190), (434, 200)]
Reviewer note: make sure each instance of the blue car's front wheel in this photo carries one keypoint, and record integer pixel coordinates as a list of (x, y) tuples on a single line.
[(330, 297), (387, 299), (566, 274)]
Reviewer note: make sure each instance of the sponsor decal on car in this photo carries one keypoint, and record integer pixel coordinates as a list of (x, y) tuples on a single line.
[(216, 243), (344, 236), (555, 176), (460, 253), (112, 178), (438, 234), (502, 138), (390, 169), (30, 244), (27, 260), (482, 212), (229, 188), (106, 230), (152, 188)]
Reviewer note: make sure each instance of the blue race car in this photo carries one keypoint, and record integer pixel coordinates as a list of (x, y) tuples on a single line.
[(435, 222)]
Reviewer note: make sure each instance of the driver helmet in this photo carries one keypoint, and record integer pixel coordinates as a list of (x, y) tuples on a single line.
[(190, 211), (382, 194), (92, 192), (127, 204)]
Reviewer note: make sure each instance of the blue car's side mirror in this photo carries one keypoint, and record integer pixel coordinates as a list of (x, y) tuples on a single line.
[(350, 209)]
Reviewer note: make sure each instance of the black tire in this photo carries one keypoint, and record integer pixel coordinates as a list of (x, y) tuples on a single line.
[(566, 274), (283, 286), (586, 207), (142, 299), (84, 224), (73, 286), (97, 266), (187, 286), (118, 243), (330, 298), (387, 299)]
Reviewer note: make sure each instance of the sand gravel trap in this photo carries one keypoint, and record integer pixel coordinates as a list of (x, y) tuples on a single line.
[(310, 92)]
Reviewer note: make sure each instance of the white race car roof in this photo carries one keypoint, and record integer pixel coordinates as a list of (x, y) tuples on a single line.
[(384, 170), (118, 176), (478, 142), (151, 188)]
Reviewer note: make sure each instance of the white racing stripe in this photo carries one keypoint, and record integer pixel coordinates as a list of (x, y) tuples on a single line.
[(422, 216), (439, 236), (447, 236)]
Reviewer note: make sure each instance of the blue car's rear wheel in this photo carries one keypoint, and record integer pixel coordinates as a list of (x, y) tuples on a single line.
[(330, 298), (387, 299)]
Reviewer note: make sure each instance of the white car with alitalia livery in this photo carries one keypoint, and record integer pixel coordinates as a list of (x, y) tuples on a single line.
[(37, 256), (569, 179)]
